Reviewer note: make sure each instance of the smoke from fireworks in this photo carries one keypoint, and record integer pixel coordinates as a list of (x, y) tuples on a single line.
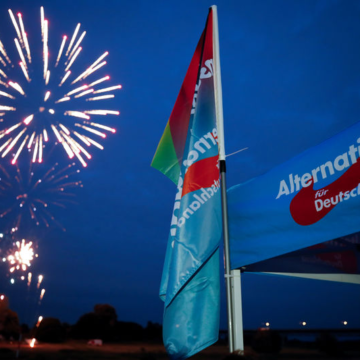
[(61, 109)]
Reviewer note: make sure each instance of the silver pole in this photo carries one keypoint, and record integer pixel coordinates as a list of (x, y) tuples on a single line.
[(233, 286), (227, 255), (221, 141)]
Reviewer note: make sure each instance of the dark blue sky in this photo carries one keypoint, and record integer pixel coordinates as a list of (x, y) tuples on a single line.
[(291, 78)]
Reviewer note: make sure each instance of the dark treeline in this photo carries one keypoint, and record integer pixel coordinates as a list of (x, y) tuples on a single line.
[(102, 323)]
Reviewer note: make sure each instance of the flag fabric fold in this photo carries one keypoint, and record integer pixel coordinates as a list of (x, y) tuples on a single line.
[(338, 256), (313, 198), (188, 155)]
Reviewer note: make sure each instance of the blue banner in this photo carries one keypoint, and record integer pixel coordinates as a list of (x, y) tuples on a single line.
[(312, 198)]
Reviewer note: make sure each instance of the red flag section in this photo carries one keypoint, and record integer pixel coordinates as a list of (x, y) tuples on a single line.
[(309, 205), (202, 174)]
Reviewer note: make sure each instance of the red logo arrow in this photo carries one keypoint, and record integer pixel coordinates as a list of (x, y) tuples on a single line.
[(201, 174), (309, 205)]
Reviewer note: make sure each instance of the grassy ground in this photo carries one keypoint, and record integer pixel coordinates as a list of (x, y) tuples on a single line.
[(81, 351)]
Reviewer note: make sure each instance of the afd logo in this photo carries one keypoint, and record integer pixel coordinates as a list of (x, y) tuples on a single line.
[(203, 177), (329, 168), (310, 205)]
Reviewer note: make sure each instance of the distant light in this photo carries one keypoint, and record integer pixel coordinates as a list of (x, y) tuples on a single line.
[(12, 281), (1, 235), (303, 323), (345, 323), (267, 324), (2, 297)]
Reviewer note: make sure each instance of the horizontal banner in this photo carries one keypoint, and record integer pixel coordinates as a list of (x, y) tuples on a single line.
[(314, 197)]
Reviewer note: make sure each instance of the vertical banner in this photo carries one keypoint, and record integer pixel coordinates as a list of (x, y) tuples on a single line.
[(188, 154)]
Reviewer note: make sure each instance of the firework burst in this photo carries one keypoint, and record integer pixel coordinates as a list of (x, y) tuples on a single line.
[(21, 256), (35, 192), (56, 104)]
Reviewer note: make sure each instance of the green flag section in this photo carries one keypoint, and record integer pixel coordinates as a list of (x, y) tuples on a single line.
[(165, 159)]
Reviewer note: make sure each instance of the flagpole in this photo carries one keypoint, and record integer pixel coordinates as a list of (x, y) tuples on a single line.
[(233, 285)]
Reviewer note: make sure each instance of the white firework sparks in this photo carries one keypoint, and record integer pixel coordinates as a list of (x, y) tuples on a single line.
[(22, 256), (63, 97)]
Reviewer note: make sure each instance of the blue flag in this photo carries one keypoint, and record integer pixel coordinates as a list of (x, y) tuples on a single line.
[(312, 198), (190, 282)]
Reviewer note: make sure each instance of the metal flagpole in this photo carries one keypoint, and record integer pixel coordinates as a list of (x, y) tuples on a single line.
[(233, 286), (226, 256), (238, 332)]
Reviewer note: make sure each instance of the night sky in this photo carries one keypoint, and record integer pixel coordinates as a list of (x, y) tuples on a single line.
[(291, 78)]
